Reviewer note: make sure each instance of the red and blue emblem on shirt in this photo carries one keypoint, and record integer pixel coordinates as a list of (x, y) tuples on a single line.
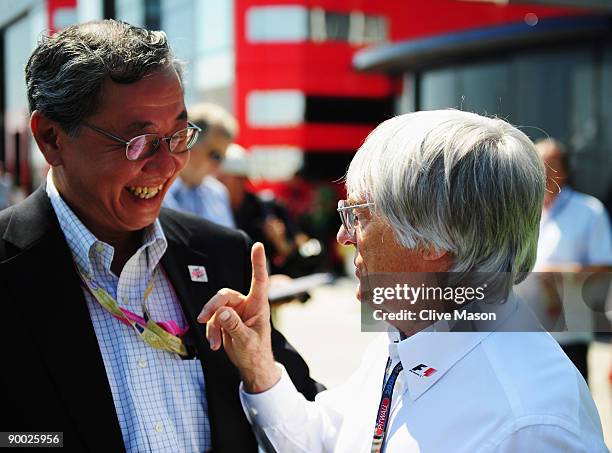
[(423, 370)]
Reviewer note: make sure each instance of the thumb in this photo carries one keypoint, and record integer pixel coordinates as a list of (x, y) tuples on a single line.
[(259, 280), (231, 323)]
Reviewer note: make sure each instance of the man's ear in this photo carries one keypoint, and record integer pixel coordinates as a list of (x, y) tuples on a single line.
[(439, 260), (433, 254), (47, 136)]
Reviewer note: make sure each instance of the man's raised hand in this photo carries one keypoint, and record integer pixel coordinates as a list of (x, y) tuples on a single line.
[(242, 324)]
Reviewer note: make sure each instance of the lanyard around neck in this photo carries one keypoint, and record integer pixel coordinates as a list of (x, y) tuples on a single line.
[(384, 407), (148, 330)]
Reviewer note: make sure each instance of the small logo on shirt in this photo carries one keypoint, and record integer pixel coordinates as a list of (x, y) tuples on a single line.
[(423, 370), (198, 273)]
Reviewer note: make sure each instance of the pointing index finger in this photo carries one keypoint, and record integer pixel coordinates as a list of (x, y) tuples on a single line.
[(223, 297), (259, 280)]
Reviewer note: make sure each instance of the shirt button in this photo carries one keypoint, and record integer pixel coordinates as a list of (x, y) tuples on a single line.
[(99, 248), (159, 427), (142, 363)]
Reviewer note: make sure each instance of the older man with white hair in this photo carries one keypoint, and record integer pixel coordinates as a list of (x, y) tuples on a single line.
[(428, 192)]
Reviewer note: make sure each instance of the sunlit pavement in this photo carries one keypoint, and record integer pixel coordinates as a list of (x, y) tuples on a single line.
[(326, 330), (600, 359)]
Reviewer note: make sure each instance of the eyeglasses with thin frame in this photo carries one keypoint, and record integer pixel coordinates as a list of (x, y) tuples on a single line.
[(348, 217), (146, 145)]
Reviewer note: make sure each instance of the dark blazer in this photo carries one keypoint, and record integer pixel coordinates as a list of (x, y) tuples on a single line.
[(52, 376)]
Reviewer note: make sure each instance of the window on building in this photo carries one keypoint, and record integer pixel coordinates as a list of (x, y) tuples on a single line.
[(347, 110), (376, 29), (275, 162), (277, 24), (337, 26), (355, 27), (275, 108), (296, 24)]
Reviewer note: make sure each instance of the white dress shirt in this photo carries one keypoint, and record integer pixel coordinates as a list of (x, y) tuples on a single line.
[(574, 230), (489, 392)]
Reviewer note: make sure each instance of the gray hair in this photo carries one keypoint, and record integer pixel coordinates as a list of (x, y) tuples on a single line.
[(458, 182), (209, 116), (64, 74)]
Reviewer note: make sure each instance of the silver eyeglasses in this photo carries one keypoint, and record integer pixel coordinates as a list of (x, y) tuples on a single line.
[(146, 145), (348, 217)]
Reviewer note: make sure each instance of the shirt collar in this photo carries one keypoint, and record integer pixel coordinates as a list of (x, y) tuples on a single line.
[(155, 241), (81, 241), (429, 354)]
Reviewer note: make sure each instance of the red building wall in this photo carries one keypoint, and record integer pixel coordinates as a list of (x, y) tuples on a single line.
[(325, 68)]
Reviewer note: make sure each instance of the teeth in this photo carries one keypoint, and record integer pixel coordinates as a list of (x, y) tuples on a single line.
[(145, 192)]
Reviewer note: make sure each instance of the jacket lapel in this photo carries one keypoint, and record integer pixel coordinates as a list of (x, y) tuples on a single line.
[(230, 430), (57, 319), (192, 294)]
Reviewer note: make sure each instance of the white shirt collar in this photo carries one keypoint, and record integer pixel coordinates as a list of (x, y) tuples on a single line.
[(82, 242), (428, 355)]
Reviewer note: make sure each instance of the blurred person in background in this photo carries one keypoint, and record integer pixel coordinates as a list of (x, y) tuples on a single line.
[(266, 220), (99, 286), (197, 190), (575, 236), (6, 188), (428, 192)]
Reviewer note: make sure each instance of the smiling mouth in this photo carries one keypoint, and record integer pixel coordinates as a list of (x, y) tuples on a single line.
[(145, 193)]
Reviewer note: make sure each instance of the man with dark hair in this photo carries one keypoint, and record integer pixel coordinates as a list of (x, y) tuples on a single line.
[(99, 289)]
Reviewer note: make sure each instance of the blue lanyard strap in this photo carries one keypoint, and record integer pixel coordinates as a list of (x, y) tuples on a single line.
[(384, 407)]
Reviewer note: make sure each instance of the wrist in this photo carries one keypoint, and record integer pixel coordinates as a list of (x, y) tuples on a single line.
[(261, 379)]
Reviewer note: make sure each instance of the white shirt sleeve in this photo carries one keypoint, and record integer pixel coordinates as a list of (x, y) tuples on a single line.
[(289, 421), (546, 438), (599, 248)]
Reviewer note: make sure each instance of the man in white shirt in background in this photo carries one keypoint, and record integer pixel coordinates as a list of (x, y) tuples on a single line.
[(427, 192), (575, 236), (197, 190)]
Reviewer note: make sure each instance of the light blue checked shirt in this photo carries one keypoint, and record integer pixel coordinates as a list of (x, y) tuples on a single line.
[(160, 399)]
